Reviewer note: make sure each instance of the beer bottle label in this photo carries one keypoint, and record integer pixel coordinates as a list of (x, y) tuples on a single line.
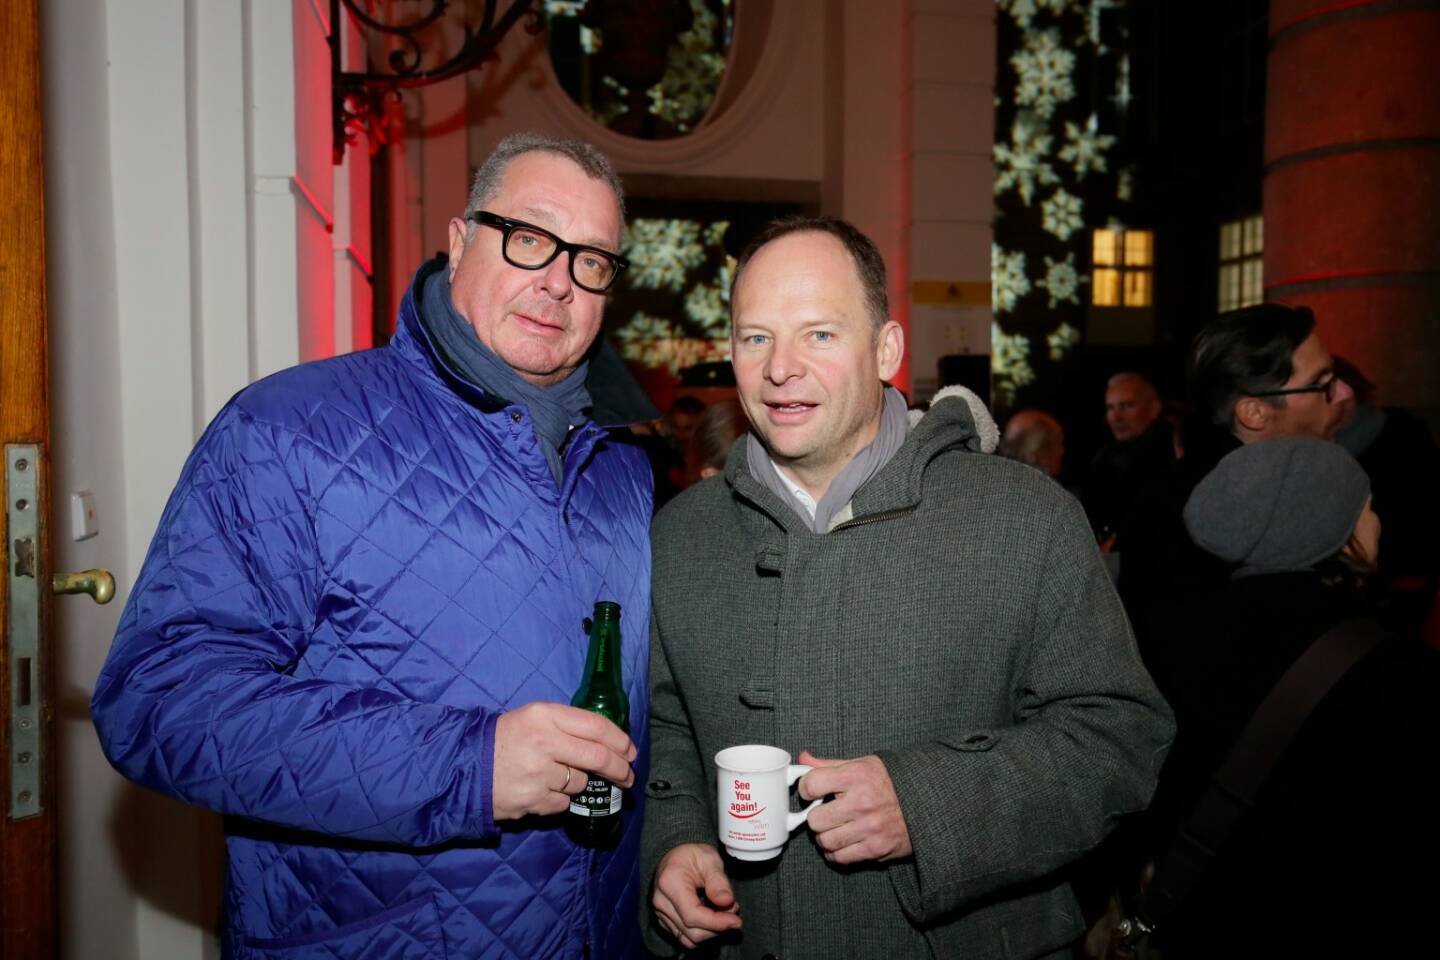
[(600, 798)]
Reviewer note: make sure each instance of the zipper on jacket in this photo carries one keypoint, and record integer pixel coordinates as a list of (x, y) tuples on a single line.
[(873, 518)]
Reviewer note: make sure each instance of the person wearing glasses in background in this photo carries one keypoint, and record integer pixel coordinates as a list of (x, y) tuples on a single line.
[(360, 622), (1253, 374), (1264, 372)]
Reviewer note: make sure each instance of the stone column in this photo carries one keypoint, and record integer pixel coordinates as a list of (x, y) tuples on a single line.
[(1352, 183)]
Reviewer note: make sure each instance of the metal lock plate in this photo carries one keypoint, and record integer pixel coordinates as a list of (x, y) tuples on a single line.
[(22, 507)]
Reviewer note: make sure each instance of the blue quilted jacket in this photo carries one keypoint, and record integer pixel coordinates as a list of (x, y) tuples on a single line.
[(365, 561)]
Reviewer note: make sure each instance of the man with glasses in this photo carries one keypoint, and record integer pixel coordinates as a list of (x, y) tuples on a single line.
[(1263, 372), (360, 623), (1254, 373)]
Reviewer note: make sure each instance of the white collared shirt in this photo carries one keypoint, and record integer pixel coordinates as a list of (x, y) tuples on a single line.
[(798, 492)]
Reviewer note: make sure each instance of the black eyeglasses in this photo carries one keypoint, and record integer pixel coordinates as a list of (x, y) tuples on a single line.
[(528, 247), (1327, 388)]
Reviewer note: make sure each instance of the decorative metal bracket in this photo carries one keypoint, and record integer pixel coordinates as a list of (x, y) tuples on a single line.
[(358, 100)]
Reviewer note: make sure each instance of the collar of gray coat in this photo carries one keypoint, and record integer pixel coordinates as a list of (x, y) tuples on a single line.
[(957, 420)]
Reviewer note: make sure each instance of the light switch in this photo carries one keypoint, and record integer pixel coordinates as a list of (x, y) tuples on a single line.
[(83, 522)]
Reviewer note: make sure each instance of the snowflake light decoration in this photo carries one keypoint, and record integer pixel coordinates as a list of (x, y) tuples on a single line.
[(1061, 214), (692, 72), (1009, 362), (1025, 10), (661, 251), (642, 326), (1024, 164), (677, 355), (1044, 67), (1061, 280), (1056, 165), (1008, 282), (1125, 185), (708, 304), (1062, 340), (1092, 22), (1086, 146), (656, 342), (1022, 10)]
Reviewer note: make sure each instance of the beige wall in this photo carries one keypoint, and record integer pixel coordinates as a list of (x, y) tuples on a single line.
[(952, 86)]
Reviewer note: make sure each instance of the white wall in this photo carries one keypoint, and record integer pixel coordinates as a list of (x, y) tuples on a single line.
[(183, 256)]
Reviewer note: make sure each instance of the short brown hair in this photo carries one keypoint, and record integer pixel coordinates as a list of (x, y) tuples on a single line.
[(869, 265), (715, 432)]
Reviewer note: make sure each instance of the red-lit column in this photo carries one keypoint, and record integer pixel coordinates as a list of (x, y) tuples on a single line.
[(1352, 183)]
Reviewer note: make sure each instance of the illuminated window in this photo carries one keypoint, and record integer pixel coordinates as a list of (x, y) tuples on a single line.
[(1123, 268), (1241, 280)]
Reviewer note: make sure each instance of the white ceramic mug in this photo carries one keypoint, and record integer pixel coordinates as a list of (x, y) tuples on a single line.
[(754, 800)]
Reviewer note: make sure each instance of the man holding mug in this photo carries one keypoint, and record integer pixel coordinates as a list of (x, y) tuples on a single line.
[(931, 627)]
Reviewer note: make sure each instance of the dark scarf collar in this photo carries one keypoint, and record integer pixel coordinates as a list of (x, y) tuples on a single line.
[(554, 410), (616, 396)]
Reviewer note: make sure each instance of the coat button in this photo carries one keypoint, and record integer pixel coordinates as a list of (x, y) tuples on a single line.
[(659, 784), (515, 416), (770, 956)]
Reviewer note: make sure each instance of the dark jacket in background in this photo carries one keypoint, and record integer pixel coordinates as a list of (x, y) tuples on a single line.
[(1119, 473), (1159, 563), (1403, 462), (1314, 868)]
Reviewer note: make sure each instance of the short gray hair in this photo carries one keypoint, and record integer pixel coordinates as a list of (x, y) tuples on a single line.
[(1130, 376), (584, 155), (1029, 434)]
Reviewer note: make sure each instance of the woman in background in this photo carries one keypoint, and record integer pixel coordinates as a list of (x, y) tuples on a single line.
[(1314, 867)]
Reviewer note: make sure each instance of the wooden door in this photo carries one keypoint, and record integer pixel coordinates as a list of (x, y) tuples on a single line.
[(27, 722)]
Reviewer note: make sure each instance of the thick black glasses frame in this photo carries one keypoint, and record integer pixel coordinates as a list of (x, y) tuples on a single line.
[(508, 226), (1326, 388)]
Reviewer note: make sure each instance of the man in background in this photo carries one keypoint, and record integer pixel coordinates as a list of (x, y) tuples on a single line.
[(1139, 454), (1255, 373), (1034, 437)]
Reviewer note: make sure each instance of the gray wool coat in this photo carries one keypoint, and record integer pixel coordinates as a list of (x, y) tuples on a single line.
[(962, 627)]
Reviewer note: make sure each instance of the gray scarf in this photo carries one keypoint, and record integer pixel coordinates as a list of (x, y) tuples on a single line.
[(894, 427), (553, 410)]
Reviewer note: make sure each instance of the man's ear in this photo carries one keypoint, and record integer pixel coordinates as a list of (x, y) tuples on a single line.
[(458, 229), (1252, 414), (890, 349)]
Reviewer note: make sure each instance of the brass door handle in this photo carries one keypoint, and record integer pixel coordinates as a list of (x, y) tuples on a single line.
[(98, 583)]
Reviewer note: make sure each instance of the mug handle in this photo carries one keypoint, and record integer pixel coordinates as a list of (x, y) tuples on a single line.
[(792, 773)]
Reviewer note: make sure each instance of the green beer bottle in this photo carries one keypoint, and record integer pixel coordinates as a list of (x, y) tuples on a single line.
[(594, 818)]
